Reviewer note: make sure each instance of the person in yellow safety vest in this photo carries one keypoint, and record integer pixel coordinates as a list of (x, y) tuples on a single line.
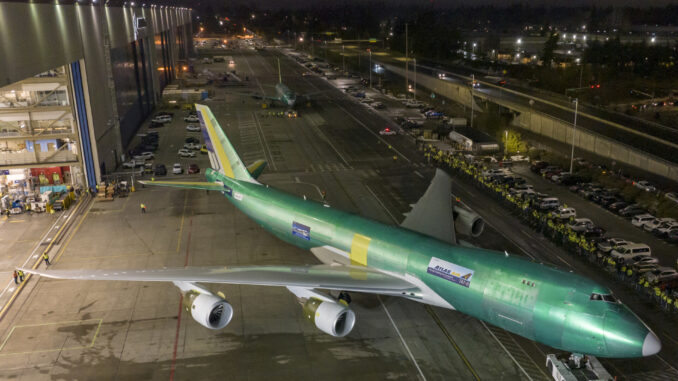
[(657, 291), (646, 284), (669, 302), (675, 304), (623, 269), (629, 272)]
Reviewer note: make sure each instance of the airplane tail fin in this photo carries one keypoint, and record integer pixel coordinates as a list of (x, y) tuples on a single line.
[(222, 155), (279, 75), (255, 169)]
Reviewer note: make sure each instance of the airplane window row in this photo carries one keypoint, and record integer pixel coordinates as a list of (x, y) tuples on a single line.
[(527, 282)]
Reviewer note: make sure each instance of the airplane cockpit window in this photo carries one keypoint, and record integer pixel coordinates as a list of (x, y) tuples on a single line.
[(604, 297)]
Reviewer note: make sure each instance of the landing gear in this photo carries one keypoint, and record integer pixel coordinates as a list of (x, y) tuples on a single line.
[(344, 298)]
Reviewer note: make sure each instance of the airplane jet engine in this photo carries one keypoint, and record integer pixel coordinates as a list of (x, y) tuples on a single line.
[(209, 311), (330, 317), (467, 222)]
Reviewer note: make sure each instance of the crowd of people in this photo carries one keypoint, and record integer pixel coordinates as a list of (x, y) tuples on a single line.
[(557, 230)]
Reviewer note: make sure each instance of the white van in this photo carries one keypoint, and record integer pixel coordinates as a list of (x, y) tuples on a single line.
[(627, 252), (549, 203)]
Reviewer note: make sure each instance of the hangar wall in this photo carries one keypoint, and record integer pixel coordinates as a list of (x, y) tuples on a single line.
[(36, 37)]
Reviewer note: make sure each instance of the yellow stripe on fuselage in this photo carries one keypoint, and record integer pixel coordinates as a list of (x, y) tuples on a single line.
[(359, 246), (216, 142)]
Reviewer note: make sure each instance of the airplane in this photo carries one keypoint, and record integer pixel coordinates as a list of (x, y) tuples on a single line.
[(283, 93), (419, 260)]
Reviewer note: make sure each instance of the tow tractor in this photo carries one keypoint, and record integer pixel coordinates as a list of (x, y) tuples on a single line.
[(576, 367)]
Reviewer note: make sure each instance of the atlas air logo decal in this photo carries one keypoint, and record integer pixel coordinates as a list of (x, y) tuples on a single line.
[(300, 230), (450, 271)]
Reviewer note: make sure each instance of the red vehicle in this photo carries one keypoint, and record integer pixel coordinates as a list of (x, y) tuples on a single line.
[(193, 168)]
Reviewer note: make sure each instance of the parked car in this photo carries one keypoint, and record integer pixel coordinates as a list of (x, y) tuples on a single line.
[(129, 164), (644, 268), (164, 113), (581, 225), (639, 220), (632, 210), (191, 146), (610, 244), (186, 153), (193, 168), (144, 156), (565, 213), (537, 166), (193, 128), (191, 139), (387, 131), (548, 203), (630, 251), (161, 119), (176, 169), (662, 274), (378, 105), (191, 119), (656, 223), (643, 260), (646, 186), (156, 124), (673, 196), (160, 170), (617, 206), (664, 229), (672, 235)]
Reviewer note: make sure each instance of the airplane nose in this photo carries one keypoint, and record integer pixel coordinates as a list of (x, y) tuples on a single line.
[(651, 344)]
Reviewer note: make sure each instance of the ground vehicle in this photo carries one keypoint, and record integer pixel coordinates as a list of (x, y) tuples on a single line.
[(643, 260), (156, 124), (617, 206), (576, 368), (161, 119), (176, 169), (191, 119), (581, 225), (643, 268), (191, 139), (632, 210), (134, 163), (607, 200), (291, 113), (193, 168), (672, 196), (378, 105), (550, 169), (661, 274), (387, 131), (306, 74), (192, 128), (186, 153), (612, 243), (433, 114), (203, 149), (144, 156), (672, 235), (656, 223), (191, 146), (565, 213), (537, 166), (160, 170), (630, 251), (664, 229), (641, 219), (646, 186), (549, 203)]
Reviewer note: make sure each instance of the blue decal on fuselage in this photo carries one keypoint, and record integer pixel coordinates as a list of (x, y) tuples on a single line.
[(450, 271), (301, 231)]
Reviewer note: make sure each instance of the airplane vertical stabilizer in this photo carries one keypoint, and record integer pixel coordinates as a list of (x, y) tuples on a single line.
[(223, 157)]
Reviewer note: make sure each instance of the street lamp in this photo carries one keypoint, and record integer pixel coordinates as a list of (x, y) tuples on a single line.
[(473, 81), (505, 143), (370, 51), (574, 130)]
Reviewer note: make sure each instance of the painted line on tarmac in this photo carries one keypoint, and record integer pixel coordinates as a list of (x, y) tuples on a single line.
[(263, 141), (506, 350), (382, 204), (440, 324), (402, 340)]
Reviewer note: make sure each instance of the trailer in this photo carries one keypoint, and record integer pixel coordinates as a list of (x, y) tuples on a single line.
[(576, 368)]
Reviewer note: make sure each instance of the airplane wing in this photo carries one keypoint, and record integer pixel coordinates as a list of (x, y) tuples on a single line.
[(345, 278), (185, 184), (432, 214)]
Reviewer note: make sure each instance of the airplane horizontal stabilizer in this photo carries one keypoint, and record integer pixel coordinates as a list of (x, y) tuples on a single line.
[(432, 214), (185, 184), (255, 169), (346, 278)]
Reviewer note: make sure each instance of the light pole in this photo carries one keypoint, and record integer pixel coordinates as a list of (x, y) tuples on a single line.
[(370, 50), (473, 80), (505, 143), (574, 131), (407, 62), (414, 94)]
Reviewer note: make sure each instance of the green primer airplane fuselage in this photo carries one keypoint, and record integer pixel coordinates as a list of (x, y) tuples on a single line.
[(560, 309)]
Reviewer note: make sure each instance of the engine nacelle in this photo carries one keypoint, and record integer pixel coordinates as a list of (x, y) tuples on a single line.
[(467, 222), (332, 318), (210, 311)]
